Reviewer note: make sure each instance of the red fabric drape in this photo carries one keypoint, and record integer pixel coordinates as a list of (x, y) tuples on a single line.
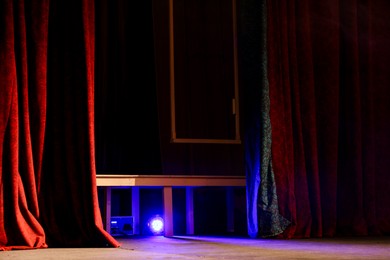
[(329, 91), (47, 169)]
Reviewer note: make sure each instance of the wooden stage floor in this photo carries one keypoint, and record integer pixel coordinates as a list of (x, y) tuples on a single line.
[(218, 247)]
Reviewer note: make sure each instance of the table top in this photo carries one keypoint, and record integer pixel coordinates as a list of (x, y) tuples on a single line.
[(168, 180)]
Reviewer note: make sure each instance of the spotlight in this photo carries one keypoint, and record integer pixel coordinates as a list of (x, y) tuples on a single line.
[(156, 225)]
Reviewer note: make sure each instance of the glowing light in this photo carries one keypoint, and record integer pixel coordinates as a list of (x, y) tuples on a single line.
[(156, 225)]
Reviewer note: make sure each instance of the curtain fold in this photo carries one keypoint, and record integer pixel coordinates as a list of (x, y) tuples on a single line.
[(22, 123), (47, 168), (329, 98), (263, 217)]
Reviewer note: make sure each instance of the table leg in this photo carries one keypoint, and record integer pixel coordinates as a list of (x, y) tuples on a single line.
[(135, 210), (189, 210), (107, 208), (168, 211), (230, 209)]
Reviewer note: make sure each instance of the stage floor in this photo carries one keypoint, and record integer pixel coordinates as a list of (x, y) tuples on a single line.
[(218, 247)]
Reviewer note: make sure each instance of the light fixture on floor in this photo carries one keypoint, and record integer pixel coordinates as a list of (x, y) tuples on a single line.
[(156, 225), (122, 225)]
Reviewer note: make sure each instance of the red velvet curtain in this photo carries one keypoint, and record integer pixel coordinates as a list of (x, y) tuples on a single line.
[(329, 88), (47, 168)]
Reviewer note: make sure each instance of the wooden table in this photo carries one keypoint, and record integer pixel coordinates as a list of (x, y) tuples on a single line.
[(109, 181)]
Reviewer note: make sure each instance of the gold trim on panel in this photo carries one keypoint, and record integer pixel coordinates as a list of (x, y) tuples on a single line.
[(172, 71), (205, 141), (235, 47)]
